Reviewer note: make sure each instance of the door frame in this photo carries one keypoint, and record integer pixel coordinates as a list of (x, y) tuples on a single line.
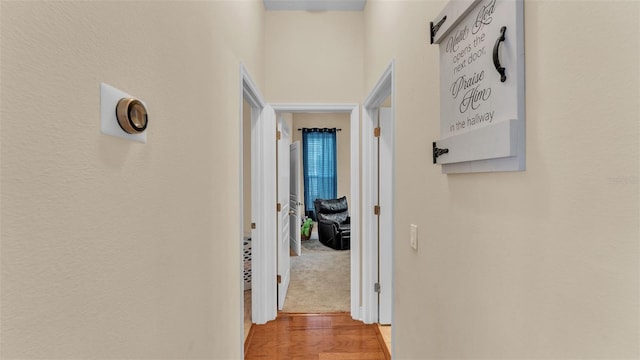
[(296, 229), (354, 110), (283, 197), (263, 296), (384, 87)]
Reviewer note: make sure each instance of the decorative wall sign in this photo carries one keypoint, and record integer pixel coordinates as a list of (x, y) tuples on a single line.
[(482, 125)]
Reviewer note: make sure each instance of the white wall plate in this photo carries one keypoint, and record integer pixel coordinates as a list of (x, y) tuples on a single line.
[(109, 97)]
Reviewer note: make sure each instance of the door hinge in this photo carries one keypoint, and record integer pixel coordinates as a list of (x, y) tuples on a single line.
[(376, 210), (278, 135), (376, 132), (278, 207), (279, 279), (253, 225), (376, 287)]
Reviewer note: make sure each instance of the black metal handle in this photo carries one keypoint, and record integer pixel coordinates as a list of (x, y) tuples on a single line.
[(437, 152), (496, 59)]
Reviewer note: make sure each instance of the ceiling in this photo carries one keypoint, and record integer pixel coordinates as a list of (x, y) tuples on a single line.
[(314, 5)]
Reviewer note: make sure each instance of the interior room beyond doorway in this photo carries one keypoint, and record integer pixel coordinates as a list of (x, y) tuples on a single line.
[(314, 289)]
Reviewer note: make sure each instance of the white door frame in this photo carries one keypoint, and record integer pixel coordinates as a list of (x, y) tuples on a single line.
[(385, 170), (264, 283), (294, 203), (263, 189), (284, 218), (384, 88), (354, 110)]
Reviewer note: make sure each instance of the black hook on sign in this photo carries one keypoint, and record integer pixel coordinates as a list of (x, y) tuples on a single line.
[(437, 152), (433, 29), (496, 59)]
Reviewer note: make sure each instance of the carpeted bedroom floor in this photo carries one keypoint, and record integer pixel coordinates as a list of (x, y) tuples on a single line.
[(320, 279)]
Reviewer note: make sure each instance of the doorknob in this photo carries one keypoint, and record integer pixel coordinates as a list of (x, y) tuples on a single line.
[(291, 212)]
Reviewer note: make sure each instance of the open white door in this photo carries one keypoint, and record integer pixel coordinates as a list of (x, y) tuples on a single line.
[(385, 252), (284, 223), (294, 198)]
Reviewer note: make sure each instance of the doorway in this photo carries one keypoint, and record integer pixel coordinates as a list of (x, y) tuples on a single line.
[(353, 116), (319, 276), (264, 287)]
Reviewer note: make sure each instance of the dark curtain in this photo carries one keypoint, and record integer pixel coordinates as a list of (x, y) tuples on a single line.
[(319, 164)]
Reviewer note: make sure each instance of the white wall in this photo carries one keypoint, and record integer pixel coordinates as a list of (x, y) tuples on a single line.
[(535, 264), (343, 144), (314, 57), (114, 249)]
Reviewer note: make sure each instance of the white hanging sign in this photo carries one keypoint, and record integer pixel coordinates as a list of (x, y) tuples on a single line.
[(482, 126)]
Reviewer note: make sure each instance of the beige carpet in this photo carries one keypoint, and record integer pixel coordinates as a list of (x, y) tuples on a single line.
[(320, 280)]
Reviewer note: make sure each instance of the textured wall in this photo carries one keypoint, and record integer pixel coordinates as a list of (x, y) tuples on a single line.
[(535, 264), (314, 57), (115, 249)]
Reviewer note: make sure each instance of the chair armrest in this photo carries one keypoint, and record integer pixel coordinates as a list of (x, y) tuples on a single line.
[(327, 222)]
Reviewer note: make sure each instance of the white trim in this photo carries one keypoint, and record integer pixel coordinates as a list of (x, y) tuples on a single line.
[(313, 108), (384, 87), (248, 87), (261, 290), (369, 221), (385, 174), (241, 207), (354, 110), (284, 223), (355, 212)]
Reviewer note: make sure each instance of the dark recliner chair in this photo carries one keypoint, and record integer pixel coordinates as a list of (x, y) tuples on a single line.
[(334, 223)]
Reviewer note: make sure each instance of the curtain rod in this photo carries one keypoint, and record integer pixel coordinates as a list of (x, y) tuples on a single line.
[(300, 129)]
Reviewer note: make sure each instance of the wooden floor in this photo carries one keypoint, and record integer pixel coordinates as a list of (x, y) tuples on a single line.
[(315, 336)]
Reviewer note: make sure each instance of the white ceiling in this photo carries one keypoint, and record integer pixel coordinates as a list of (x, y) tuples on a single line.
[(314, 5)]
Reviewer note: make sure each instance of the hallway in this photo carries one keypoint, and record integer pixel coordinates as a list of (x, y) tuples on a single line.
[(315, 336), (119, 249)]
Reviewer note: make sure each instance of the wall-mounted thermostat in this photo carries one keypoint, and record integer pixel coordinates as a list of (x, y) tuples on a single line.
[(122, 115), (132, 115)]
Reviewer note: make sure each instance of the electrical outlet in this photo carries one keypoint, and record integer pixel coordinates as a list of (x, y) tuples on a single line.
[(414, 237)]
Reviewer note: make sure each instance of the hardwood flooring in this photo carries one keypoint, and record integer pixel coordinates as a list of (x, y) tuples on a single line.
[(315, 336), (247, 313), (385, 331)]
